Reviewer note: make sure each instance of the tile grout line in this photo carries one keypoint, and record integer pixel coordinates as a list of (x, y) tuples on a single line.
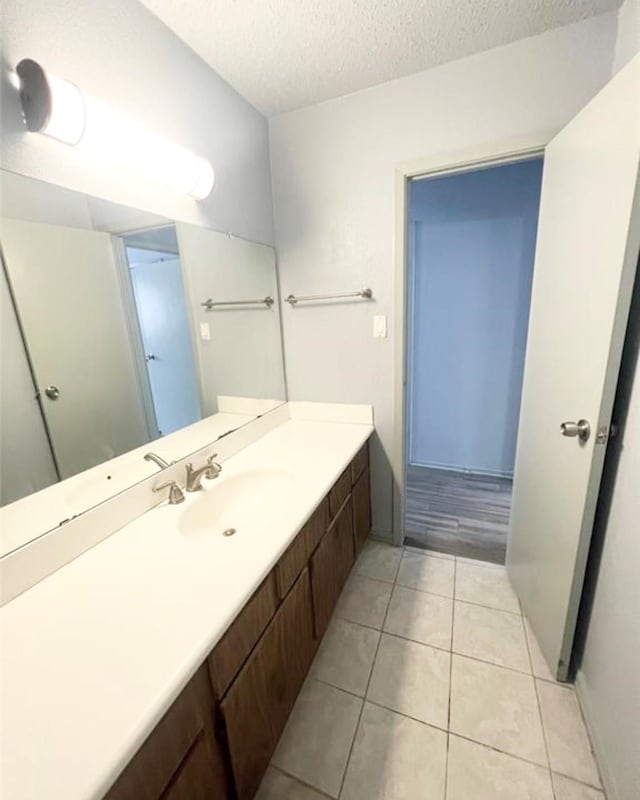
[(589, 739), (366, 689), (301, 782), (439, 648), (451, 733), (539, 705), (571, 778), (453, 619), (452, 652), (489, 608)]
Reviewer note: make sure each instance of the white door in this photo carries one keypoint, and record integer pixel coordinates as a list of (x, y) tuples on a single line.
[(588, 239), (166, 337), (69, 302)]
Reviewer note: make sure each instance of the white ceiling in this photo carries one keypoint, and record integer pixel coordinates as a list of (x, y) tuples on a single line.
[(286, 54)]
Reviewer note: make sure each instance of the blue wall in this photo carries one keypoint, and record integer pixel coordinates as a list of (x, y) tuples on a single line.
[(473, 241)]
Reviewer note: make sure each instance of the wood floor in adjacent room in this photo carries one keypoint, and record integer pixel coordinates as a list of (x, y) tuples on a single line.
[(458, 513)]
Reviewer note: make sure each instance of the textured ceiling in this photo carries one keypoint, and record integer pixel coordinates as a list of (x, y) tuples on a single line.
[(286, 54)]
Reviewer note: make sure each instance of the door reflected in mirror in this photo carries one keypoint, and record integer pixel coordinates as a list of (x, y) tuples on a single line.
[(155, 271), (120, 327)]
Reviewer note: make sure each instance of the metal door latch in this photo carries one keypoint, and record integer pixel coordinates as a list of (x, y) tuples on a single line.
[(606, 432)]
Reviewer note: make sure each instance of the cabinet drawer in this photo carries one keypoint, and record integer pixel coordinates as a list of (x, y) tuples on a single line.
[(339, 492), (232, 650), (361, 509), (360, 463), (316, 526), (152, 768), (291, 564)]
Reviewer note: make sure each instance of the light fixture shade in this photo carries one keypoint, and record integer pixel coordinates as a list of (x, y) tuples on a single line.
[(57, 108)]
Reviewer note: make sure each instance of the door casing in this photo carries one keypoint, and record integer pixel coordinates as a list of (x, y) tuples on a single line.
[(447, 163)]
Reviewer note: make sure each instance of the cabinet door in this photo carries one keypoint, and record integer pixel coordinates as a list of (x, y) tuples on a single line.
[(258, 703), (345, 543), (293, 632), (234, 647), (330, 566), (324, 581), (201, 776), (362, 509), (158, 764)]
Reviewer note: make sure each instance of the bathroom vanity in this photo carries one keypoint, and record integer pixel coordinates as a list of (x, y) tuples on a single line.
[(164, 662), (217, 738)]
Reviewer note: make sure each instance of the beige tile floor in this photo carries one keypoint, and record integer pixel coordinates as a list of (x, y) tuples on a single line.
[(429, 685)]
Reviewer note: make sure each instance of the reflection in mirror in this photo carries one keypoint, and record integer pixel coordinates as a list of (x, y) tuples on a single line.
[(108, 341), (160, 303)]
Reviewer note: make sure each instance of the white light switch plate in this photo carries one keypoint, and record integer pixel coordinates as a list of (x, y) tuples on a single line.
[(205, 333), (380, 326)]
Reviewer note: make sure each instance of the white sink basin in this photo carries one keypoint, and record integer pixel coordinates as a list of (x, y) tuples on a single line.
[(238, 501)]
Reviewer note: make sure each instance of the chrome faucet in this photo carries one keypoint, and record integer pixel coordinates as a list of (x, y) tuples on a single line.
[(176, 495), (209, 470), (160, 462)]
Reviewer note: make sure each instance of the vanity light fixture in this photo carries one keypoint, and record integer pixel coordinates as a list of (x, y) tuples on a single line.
[(58, 108)]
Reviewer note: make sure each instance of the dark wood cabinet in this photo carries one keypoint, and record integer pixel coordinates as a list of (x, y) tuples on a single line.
[(201, 776), (233, 649), (330, 566), (323, 583), (360, 463), (217, 739), (316, 526), (345, 554), (361, 509), (258, 704), (339, 492), (182, 752), (291, 564)]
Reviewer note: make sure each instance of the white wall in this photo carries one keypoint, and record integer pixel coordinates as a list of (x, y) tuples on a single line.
[(628, 37), (243, 356), (333, 178), (36, 201), (123, 55)]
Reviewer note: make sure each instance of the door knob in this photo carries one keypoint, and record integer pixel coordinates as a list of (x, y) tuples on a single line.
[(581, 429), (52, 392), (151, 357)]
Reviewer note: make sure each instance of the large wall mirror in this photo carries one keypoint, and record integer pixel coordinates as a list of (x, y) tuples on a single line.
[(118, 328)]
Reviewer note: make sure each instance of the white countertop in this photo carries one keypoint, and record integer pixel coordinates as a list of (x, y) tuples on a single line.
[(94, 655)]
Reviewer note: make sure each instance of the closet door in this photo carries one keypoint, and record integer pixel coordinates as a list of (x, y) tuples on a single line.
[(587, 249)]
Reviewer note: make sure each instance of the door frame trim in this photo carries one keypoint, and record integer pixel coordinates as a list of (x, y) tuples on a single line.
[(480, 156), (135, 334)]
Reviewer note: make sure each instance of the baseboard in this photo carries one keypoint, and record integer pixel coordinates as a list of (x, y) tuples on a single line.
[(582, 694), (381, 536), (493, 473)]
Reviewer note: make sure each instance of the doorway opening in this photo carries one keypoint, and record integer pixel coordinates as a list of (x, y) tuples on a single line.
[(471, 246), (157, 284)]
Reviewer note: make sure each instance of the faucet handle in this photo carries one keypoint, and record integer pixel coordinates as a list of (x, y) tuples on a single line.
[(214, 468), (176, 495)]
